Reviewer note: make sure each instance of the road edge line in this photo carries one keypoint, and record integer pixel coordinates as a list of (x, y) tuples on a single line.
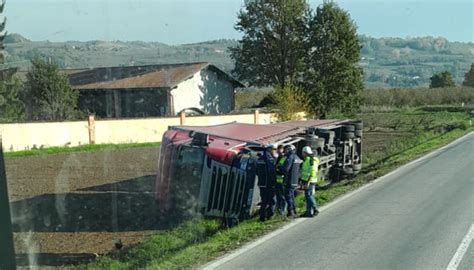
[(461, 251), (227, 257)]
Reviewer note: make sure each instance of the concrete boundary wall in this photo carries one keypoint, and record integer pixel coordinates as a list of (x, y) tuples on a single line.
[(26, 136)]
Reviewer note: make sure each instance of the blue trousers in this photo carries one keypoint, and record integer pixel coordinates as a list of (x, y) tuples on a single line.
[(280, 197), (267, 206), (310, 200), (290, 198)]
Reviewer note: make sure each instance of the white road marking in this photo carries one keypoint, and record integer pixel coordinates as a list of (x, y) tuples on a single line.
[(245, 248), (226, 258), (457, 258)]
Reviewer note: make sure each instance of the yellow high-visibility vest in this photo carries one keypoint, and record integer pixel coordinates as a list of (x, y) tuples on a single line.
[(310, 171), (279, 178)]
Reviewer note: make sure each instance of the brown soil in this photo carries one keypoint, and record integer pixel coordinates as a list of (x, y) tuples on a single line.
[(70, 208), (36, 175)]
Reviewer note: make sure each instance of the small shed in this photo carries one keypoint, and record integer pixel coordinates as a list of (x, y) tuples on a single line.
[(154, 90)]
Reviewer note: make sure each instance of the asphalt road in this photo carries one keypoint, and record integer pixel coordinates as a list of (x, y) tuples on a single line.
[(415, 218)]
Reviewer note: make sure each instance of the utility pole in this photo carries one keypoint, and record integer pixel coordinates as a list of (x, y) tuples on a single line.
[(7, 252)]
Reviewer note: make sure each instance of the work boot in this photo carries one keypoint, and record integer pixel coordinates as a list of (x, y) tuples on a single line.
[(316, 212), (292, 214)]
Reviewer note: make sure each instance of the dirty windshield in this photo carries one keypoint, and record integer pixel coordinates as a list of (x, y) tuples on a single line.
[(187, 174), (222, 134)]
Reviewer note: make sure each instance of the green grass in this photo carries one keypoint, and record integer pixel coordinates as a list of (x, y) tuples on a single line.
[(81, 148), (216, 245), (196, 242), (158, 247)]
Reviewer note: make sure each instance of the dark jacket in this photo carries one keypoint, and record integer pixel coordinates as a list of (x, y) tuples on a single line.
[(270, 165), (287, 167)]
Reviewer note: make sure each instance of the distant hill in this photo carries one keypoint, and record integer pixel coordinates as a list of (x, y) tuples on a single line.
[(15, 38), (387, 62), (398, 62)]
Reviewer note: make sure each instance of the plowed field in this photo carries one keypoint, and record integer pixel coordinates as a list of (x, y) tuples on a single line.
[(69, 208)]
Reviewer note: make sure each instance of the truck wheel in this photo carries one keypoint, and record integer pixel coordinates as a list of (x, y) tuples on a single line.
[(358, 133), (349, 128), (348, 135), (358, 125)]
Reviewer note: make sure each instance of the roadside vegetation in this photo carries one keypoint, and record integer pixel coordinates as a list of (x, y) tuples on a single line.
[(81, 148), (384, 99)]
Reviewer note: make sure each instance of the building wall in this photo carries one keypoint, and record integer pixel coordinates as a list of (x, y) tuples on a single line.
[(143, 103), (133, 130), (124, 103), (206, 91), (17, 137)]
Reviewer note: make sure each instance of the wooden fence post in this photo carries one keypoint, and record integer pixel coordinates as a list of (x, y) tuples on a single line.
[(91, 123), (256, 114), (182, 118)]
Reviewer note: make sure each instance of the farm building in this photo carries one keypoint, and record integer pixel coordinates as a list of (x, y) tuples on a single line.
[(154, 90)]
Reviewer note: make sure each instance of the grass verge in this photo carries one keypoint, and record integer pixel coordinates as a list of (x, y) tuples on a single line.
[(175, 250), (81, 148)]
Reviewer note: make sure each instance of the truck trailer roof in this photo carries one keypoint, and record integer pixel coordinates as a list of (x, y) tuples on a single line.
[(262, 134)]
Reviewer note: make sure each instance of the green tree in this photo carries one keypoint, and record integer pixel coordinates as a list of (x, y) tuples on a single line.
[(443, 79), (11, 107), (48, 94), (334, 81), (469, 77), (271, 51), (289, 101)]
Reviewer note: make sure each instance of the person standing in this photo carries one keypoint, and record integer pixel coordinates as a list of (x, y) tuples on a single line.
[(267, 191), (289, 177), (309, 177), (280, 185)]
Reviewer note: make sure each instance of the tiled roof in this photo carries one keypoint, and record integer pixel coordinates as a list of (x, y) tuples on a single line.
[(135, 77)]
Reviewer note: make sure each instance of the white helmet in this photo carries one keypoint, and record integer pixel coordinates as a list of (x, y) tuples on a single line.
[(307, 150)]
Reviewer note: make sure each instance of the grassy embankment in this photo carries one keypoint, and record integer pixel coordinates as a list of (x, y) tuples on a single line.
[(199, 241), (81, 148)]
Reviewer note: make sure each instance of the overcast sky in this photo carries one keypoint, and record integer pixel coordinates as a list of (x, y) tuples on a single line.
[(189, 21)]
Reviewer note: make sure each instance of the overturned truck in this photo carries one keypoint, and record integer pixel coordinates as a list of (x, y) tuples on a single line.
[(212, 170)]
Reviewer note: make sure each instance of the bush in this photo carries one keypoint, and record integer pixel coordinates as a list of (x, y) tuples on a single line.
[(289, 101), (403, 97)]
